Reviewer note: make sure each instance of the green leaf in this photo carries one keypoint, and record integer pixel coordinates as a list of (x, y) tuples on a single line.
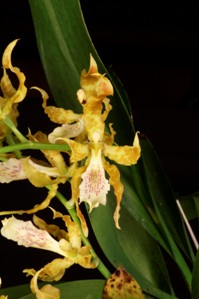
[(166, 209), (16, 291), (162, 194), (132, 248), (82, 289), (195, 278), (138, 203)]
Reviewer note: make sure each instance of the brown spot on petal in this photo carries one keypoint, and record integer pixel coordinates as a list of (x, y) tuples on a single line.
[(121, 285)]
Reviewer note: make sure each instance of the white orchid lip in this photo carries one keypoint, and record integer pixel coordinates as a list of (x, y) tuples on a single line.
[(28, 235), (94, 185)]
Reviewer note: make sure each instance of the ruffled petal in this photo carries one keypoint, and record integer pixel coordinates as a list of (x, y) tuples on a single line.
[(47, 291), (74, 235), (57, 115), (55, 158), (95, 85), (40, 175), (12, 95), (94, 185), (52, 271), (75, 182), (52, 229), (78, 151), (125, 155), (118, 188)]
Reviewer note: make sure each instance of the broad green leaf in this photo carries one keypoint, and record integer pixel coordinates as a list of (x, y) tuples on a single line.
[(16, 291), (132, 248), (162, 194), (82, 289), (165, 205), (138, 204), (65, 45), (195, 278)]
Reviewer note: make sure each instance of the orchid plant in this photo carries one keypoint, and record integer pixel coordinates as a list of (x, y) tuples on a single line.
[(117, 185)]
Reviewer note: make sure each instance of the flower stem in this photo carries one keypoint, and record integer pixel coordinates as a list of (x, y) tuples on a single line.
[(34, 146), (72, 211), (14, 129), (10, 140)]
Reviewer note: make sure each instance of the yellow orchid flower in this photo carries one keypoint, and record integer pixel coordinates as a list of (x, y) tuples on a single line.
[(91, 143), (11, 96), (39, 175), (49, 237)]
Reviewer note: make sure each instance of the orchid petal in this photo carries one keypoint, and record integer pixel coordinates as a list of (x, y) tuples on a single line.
[(55, 158), (109, 137), (52, 229), (47, 292), (52, 271), (12, 170), (40, 176), (11, 96), (67, 130), (94, 84), (74, 235), (78, 151), (75, 182), (94, 185), (50, 171), (118, 188), (125, 155), (94, 126), (19, 95), (57, 115), (26, 234)]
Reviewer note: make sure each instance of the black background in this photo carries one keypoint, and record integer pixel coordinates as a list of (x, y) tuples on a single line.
[(154, 50)]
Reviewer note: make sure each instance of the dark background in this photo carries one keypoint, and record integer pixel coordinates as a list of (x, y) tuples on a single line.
[(154, 50)]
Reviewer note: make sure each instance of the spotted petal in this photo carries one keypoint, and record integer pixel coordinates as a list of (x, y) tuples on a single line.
[(57, 115), (95, 85), (118, 188), (94, 185), (125, 155), (28, 235), (12, 170)]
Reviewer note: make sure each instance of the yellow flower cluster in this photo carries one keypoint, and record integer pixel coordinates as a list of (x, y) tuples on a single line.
[(88, 143)]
